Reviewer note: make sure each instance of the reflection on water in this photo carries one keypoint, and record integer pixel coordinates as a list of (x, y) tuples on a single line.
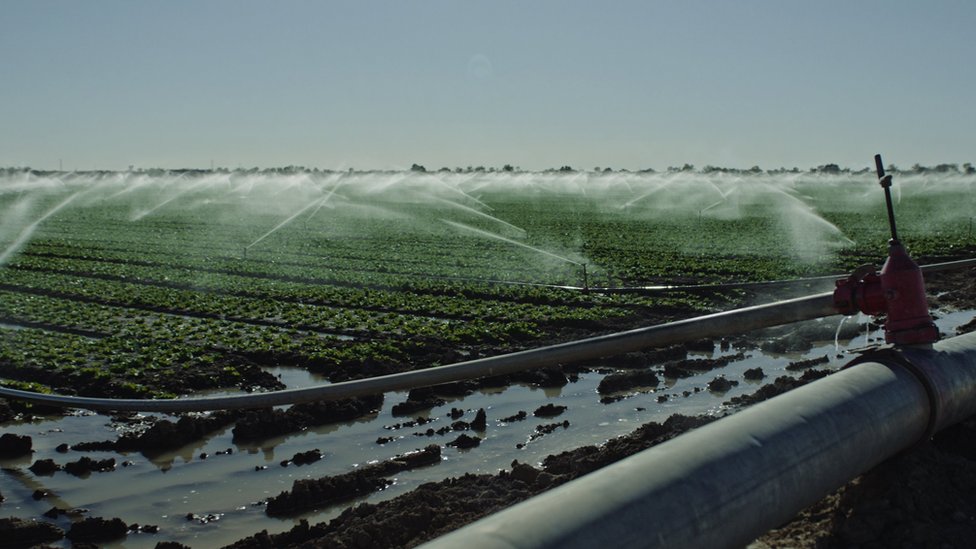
[(230, 487)]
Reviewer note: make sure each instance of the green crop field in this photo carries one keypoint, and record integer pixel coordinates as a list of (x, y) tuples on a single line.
[(156, 284)]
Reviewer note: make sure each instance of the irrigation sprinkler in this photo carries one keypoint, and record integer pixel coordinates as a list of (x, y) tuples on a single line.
[(586, 284), (706, 208), (288, 220), (27, 231)]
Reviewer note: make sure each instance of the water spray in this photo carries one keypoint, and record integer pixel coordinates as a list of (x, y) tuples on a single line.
[(518, 230), (280, 225), (897, 290), (705, 209), (321, 203), (28, 231), (508, 240)]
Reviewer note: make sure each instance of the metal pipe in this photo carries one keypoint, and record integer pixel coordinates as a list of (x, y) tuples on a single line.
[(932, 268), (949, 265), (713, 325), (726, 483)]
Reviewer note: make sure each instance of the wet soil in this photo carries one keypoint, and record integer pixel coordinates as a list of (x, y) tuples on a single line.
[(436, 508), (309, 494), (261, 424)]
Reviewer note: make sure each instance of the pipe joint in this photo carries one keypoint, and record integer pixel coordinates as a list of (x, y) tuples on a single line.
[(893, 358), (946, 371)]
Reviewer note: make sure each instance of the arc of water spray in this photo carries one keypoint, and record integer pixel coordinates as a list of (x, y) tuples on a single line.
[(162, 204), (322, 202), (487, 234), (25, 234), (469, 209), (124, 180), (721, 193), (705, 209), (466, 195), (125, 190), (282, 224), (627, 184), (808, 212), (632, 201)]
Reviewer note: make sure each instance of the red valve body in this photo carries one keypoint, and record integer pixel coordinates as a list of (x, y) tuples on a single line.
[(908, 321), (898, 290)]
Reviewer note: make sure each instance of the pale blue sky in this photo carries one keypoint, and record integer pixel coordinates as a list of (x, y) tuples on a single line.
[(537, 84)]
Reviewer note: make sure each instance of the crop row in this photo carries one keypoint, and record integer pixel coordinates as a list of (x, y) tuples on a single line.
[(523, 295), (444, 254), (328, 320), (299, 293), (147, 347)]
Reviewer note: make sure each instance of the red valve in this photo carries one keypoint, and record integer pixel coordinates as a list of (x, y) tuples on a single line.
[(908, 321), (898, 290)]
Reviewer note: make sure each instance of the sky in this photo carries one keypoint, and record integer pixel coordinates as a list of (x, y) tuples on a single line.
[(538, 84)]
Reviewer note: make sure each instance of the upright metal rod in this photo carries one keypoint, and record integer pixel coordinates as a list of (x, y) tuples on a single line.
[(727, 483), (885, 181), (714, 325)]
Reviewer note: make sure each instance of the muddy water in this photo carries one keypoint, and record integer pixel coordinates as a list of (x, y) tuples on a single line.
[(226, 490)]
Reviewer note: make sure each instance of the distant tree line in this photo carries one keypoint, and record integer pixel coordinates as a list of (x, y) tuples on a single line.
[(828, 169)]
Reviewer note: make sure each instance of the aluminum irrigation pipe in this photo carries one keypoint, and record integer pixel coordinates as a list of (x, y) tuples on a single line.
[(949, 265), (713, 325), (935, 267), (727, 483), (959, 264)]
